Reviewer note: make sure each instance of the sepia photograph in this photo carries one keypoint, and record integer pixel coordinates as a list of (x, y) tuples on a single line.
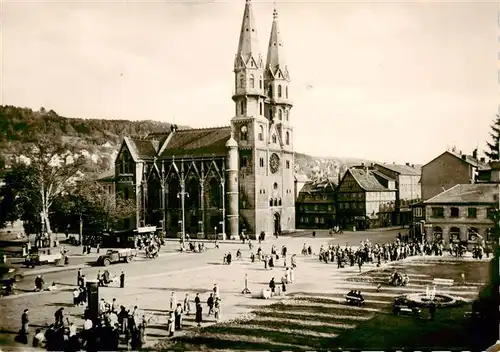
[(249, 175)]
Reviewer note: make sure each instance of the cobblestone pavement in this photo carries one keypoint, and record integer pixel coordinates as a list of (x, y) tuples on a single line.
[(149, 283)]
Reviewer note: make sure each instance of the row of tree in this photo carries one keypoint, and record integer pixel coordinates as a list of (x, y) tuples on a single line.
[(48, 187)]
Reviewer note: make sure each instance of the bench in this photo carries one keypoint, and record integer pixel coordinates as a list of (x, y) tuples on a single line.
[(354, 300), (443, 282)]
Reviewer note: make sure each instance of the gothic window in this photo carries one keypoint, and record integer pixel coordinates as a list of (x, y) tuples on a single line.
[(288, 164), (275, 202), (261, 162), (215, 193), (279, 90), (252, 82), (260, 108), (286, 91), (261, 133), (242, 82), (260, 82), (280, 114), (243, 133), (287, 138), (279, 201), (242, 107), (126, 194), (270, 113), (286, 115), (271, 91), (270, 202), (274, 138), (192, 197)]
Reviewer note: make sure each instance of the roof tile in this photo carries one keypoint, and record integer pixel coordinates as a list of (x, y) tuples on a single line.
[(467, 193)]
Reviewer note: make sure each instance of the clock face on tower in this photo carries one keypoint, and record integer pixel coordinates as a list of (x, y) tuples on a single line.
[(274, 163)]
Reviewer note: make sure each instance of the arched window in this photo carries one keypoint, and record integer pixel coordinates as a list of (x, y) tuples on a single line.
[(242, 107), (280, 114), (279, 201), (260, 82), (287, 138), (270, 202), (271, 91), (261, 133), (242, 81), (252, 82), (286, 115), (243, 133), (275, 202), (260, 108), (454, 234), (286, 91), (279, 90), (274, 138), (437, 233)]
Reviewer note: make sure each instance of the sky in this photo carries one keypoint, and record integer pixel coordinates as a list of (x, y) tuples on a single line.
[(387, 81)]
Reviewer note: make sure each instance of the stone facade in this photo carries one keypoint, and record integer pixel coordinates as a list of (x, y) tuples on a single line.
[(462, 214), (233, 179)]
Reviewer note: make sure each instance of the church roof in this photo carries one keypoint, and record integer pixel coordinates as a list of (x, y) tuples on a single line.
[(198, 142)]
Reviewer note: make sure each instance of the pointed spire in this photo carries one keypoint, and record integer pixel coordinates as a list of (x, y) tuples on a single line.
[(275, 59), (248, 45)]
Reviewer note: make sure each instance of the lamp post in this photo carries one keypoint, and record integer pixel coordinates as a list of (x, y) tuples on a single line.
[(182, 195)]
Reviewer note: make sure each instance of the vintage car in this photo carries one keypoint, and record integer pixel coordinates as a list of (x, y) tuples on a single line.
[(116, 256), (41, 258)]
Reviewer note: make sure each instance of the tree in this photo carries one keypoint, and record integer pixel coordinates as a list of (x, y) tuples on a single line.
[(55, 167), (97, 207), (493, 146)]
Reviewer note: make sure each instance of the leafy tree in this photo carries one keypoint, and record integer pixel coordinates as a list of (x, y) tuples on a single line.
[(18, 199), (54, 167), (493, 146)]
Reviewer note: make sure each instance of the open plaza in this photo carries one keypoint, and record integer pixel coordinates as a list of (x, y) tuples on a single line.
[(312, 314)]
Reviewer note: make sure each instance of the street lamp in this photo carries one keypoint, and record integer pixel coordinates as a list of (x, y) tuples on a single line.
[(182, 195)]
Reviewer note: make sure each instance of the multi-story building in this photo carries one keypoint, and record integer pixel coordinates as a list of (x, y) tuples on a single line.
[(315, 205), (462, 213), (228, 179), (447, 170), (408, 191), (360, 196)]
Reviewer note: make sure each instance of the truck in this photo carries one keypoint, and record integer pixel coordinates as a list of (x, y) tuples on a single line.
[(113, 256)]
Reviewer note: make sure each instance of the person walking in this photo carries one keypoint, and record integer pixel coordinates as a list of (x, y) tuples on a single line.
[(210, 304), (197, 299), (79, 277), (122, 280), (199, 311), (178, 317), (272, 286), (25, 322), (187, 304), (173, 301)]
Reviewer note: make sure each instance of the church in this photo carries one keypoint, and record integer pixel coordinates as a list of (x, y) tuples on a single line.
[(225, 180)]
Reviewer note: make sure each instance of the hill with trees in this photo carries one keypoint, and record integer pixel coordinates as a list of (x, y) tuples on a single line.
[(102, 137)]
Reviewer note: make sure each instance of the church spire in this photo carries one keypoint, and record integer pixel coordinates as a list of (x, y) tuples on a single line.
[(275, 60), (248, 46)]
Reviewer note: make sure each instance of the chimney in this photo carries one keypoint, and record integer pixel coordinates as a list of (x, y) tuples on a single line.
[(407, 164)]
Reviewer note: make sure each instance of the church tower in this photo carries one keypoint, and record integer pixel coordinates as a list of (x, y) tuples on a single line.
[(265, 149)]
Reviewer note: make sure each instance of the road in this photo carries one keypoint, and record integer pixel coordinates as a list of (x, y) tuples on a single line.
[(150, 282)]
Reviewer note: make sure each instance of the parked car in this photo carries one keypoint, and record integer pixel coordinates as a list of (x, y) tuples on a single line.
[(34, 259), (116, 256), (8, 273)]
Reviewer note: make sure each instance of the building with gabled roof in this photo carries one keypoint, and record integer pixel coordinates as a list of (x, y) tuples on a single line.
[(231, 179), (360, 196), (315, 205), (447, 170), (462, 213)]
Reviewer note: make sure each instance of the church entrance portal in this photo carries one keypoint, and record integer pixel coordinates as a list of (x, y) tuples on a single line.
[(277, 224)]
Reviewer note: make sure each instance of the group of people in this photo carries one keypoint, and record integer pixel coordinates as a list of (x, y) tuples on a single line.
[(398, 279)]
